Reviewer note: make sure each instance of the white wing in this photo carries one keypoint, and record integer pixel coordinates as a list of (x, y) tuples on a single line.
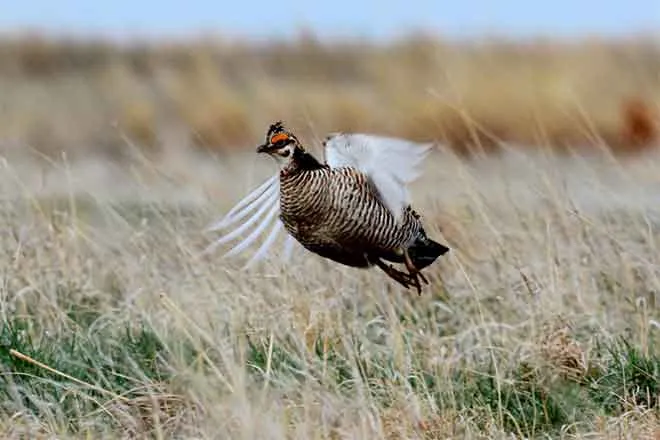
[(263, 200), (390, 163)]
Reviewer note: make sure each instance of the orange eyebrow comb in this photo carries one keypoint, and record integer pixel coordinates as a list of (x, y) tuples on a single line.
[(279, 137)]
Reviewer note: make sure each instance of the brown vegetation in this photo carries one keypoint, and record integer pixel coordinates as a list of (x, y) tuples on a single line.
[(515, 337), (81, 95), (639, 126)]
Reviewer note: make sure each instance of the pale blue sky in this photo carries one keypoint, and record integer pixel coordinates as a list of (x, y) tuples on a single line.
[(371, 18)]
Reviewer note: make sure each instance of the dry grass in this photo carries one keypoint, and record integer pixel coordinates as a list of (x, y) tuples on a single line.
[(553, 260), (81, 96)]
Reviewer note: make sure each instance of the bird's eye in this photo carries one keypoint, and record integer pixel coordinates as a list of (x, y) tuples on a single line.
[(280, 137)]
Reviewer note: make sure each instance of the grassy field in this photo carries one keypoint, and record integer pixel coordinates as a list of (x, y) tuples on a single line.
[(543, 321), (217, 94)]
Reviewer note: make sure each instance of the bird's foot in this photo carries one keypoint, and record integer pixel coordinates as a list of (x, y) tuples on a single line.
[(407, 280), (414, 274), (398, 276)]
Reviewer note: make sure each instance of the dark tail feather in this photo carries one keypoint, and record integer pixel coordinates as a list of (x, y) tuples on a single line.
[(425, 251), (422, 252)]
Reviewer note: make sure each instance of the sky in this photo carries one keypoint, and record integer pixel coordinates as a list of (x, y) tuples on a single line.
[(339, 18)]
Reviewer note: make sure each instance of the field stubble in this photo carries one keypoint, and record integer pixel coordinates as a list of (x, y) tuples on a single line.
[(543, 319)]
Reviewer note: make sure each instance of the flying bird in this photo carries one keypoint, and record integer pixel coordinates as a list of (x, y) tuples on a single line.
[(353, 209)]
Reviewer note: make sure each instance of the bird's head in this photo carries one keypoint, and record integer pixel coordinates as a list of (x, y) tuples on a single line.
[(280, 142)]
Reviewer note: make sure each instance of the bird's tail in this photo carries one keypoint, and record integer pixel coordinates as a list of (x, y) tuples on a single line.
[(425, 251)]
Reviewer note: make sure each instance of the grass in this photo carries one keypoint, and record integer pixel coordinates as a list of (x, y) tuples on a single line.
[(541, 323), (90, 95)]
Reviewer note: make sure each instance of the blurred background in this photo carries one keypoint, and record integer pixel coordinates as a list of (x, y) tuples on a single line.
[(206, 76)]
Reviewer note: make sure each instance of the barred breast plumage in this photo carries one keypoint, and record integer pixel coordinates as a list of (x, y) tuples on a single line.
[(337, 214), (353, 209)]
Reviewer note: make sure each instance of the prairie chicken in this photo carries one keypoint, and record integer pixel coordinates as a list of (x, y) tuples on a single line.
[(353, 209)]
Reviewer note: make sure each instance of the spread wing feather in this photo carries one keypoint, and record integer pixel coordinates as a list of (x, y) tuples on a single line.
[(390, 163), (263, 200), (263, 249), (247, 204), (274, 208)]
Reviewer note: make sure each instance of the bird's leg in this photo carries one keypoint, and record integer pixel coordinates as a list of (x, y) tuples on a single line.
[(398, 276), (414, 273)]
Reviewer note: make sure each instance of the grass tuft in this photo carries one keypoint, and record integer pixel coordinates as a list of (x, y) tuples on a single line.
[(105, 364), (629, 378)]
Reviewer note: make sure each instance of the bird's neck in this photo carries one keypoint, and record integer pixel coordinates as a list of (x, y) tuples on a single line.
[(302, 161)]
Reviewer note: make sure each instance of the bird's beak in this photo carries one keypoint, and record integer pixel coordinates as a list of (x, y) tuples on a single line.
[(262, 148)]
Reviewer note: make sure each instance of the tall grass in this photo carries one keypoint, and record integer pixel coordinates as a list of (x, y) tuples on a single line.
[(542, 321)]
